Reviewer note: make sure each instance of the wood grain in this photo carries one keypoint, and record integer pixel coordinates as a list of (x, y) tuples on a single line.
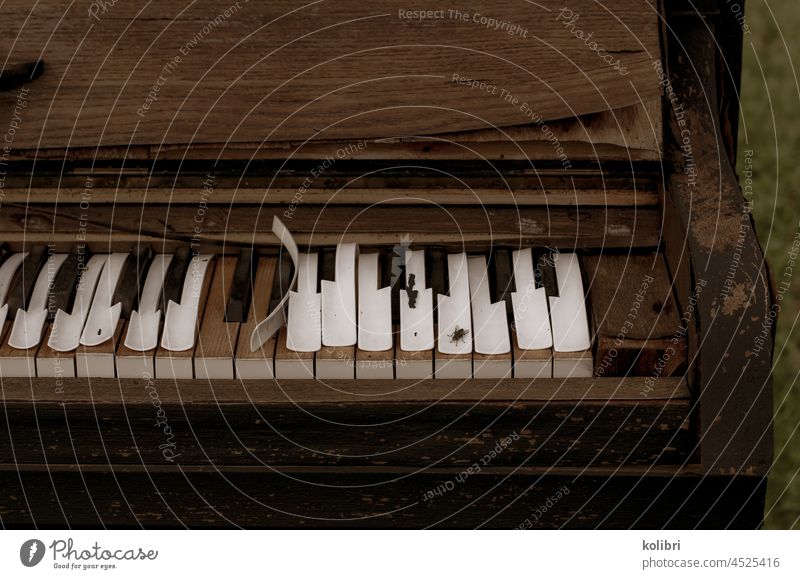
[(378, 499), (424, 182), (638, 326), (339, 422), (275, 71), (247, 224), (732, 352), (598, 390), (628, 134), (216, 341), (259, 308)]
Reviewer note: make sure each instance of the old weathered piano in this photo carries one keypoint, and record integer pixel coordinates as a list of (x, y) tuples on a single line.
[(339, 264)]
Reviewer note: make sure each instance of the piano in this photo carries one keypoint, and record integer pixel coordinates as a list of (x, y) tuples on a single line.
[(414, 271)]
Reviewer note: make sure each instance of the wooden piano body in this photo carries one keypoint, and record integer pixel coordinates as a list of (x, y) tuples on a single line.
[(673, 431)]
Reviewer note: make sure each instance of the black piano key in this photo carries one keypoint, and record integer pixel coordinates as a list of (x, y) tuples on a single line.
[(437, 274), (501, 277), (545, 273), (327, 265), (241, 290), (389, 269), (282, 280), (173, 281), (393, 270), (131, 280), (436, 270), (62, 294), (19, 293)]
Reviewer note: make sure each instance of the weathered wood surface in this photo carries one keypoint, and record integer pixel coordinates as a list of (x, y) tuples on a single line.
[(638, 329), (379, 224), (336, 183), (628, 134), (277, 71), (732, 305), (101, 391), (217, 337), (398, 422), (591, 498)]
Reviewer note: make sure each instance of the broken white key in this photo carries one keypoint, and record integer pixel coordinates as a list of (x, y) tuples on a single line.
[(304, 326), (416, 324), (103, 315), (569, 322), (488, 319), (68, 327), (531, 318), (145, 321), (7, 271), (492, 343), (455, 318), (276, 318), (339, 327), (374, 307), (180, 323), (29, 324)]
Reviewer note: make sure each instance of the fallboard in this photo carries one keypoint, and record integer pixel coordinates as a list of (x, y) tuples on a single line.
[(212, 204)]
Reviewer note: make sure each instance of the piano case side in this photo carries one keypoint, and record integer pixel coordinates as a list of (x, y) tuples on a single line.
[(725, 281)]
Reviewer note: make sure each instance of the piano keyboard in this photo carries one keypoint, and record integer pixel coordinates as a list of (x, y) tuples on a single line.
[(352, 315)]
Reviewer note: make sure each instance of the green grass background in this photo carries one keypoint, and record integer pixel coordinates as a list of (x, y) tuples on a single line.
[(770, 127)]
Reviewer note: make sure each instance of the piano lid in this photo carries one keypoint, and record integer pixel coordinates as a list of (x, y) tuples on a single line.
[(118, 73)]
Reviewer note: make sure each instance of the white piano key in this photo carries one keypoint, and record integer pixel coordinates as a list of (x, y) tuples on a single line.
[(453, 366), (53, 364), (531, 315), (180, 323), (374, 365), (29, 324), (145, 321), (65, 335), (374, 307), (7, 271), (291, 365), (103, 328), (304, 325), (573, 364), (336, 363), (455, 318), (416, 324), (531, 363), (568, 318), (489, 320), (414, 365), (103, 315), (276, 318), (339, 326), (97, 361)]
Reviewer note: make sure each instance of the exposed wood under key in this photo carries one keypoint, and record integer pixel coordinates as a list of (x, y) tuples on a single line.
[(639, 332), (216, 344), (261, 363), (98, 361), (531, 363), (290, 364)]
